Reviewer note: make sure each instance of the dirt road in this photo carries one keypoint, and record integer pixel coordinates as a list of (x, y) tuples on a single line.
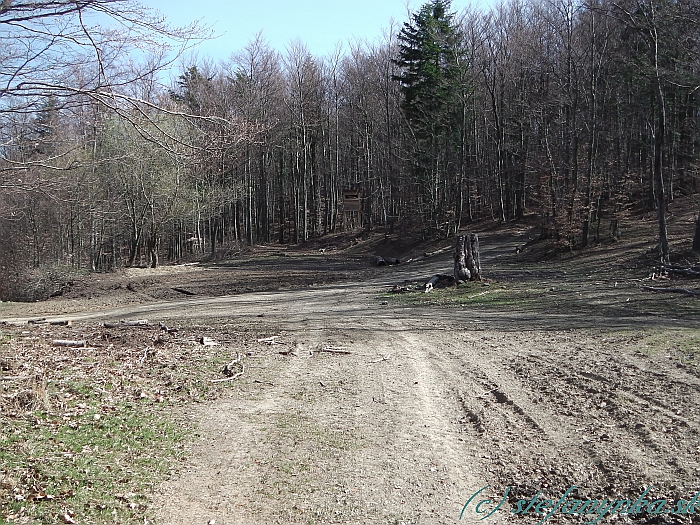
[(365, 412), (425, 411)]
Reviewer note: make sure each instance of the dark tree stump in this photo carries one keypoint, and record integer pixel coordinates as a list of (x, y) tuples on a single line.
[(467, 263)]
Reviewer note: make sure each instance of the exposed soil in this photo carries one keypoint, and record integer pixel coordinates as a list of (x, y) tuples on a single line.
[(370, 409)]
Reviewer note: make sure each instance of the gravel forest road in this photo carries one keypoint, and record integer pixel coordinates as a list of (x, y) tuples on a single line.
[(368, 411)]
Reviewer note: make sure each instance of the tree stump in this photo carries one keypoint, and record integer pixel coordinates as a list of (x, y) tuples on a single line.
[(467, 263)]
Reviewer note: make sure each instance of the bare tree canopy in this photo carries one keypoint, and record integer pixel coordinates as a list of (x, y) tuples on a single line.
[(63, 48), (68, 54), (568, 115)]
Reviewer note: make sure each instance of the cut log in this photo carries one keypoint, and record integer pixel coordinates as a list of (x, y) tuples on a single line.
[(69, 342), (391, 261), (431, 283), (270, 340), (140, 323), (466, 256), (379, 261), (439, 281)]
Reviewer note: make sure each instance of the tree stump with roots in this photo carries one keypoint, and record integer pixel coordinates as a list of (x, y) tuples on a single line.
[(467, 263)]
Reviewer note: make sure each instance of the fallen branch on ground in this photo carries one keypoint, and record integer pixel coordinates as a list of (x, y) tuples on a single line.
[(138, 322), (672, 290), (692, 271), (385, 358), (228, 370), (14, 378), (148, 352), (482, 396), (164, 327), (334, 350), (234, 376), (183, 291)]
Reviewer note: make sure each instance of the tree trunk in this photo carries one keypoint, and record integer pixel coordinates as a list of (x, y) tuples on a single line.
[(134, 246), (696, 238), (153, 245), (466, 255)]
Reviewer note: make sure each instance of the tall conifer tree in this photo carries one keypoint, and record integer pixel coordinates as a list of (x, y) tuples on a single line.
[(429, 61)]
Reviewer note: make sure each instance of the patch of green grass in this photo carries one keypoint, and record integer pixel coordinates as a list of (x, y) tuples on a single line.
[(303, 428), (685, 342), (577, 295), (329, 439), (293, 468), (681, 344), (98, 464), (93, 434), (4, 338)]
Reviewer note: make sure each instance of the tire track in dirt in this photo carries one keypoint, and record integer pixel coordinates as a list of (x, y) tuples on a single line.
[(412, 422), (629, 420), (550, 426), (501, 424), (362, 438)]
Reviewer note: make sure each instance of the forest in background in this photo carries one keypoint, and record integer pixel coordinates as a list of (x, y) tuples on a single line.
[(572, 113)]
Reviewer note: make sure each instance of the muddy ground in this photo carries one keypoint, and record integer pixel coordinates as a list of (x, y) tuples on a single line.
[(361, 406)]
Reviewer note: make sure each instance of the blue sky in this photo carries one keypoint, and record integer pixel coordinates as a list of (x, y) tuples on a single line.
[(320, 24)]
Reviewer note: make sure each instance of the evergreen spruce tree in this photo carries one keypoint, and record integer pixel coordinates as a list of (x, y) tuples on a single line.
[(429, 62), (426, 59)]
